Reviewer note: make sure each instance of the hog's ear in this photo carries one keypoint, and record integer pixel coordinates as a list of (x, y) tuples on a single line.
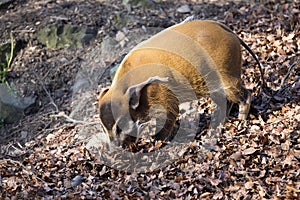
[(103, 92), (134, 92)]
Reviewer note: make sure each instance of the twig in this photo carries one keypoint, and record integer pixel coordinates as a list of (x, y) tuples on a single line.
[(282, 88), (295, 81), (23, 31), (12, 45), (7, 150), (62, 114), (59, 18), (24, 167), (47, 92), (287, 74), (6, 153)]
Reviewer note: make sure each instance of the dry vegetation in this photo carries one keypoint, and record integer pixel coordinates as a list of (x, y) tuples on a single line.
[(41, 156)]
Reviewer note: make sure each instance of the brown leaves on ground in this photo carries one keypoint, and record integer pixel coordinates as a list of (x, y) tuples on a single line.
[(254, 159)]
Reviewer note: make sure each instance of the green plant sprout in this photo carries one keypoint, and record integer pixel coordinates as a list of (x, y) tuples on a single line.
[(5, 66)]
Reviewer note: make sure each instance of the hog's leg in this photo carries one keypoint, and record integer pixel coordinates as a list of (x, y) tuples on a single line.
[(229, 107), (244, 104)]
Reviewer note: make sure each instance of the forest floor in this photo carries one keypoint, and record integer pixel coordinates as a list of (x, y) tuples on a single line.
[(44, 157)]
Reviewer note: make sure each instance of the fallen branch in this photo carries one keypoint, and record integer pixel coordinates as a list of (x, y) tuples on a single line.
[(62, 114)]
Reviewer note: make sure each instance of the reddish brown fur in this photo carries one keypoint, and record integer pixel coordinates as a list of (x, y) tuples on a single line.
[(222, 46)]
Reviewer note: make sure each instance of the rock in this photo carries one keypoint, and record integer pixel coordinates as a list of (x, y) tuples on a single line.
[(97, 140), (184, 9), (56, 36), (11, 105), (77, 180)]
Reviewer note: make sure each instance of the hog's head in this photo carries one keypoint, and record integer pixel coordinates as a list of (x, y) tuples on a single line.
[(124, 110)]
